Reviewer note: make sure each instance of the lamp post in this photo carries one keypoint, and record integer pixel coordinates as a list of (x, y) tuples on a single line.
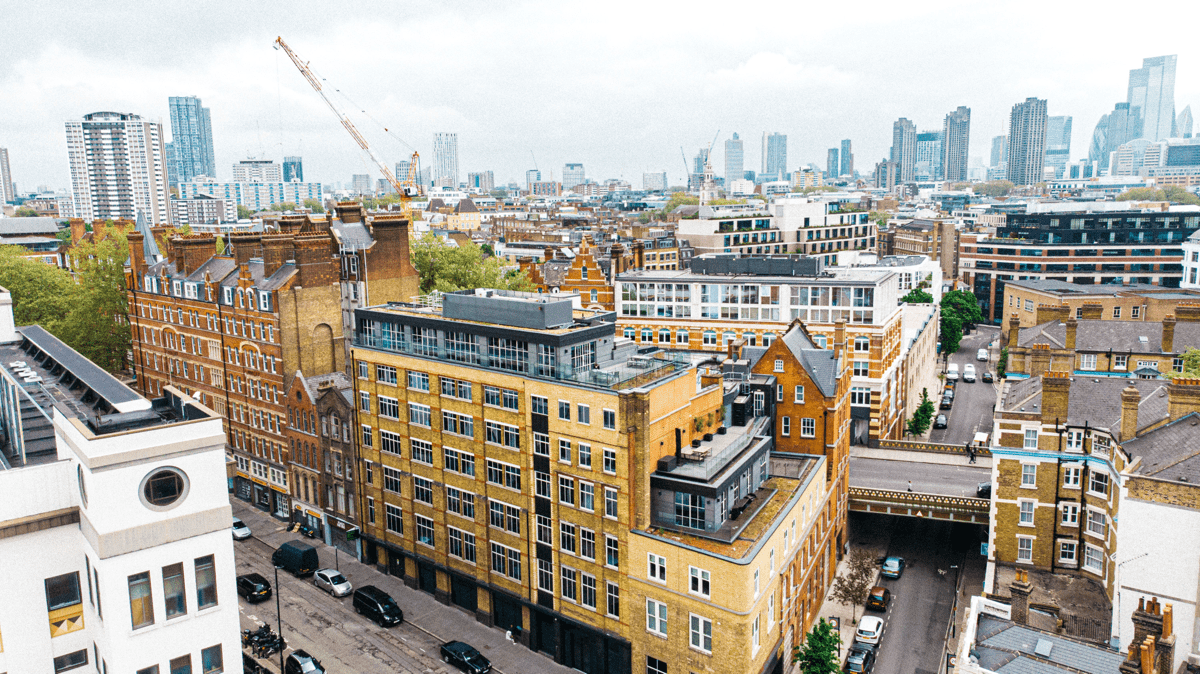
[(279, 620)]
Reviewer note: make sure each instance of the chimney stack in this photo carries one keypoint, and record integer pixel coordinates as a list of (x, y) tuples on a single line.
[(277, 250), (1072, 327), (1051, 312), (245, 246), (316, 267), (137, 254), (1039, 360), (192, 250), (1014, 329), (1020, 589), (1130, 397), (1056, 396), (1183, 397), (1091, 312), (1168, 334), (1187, 312)]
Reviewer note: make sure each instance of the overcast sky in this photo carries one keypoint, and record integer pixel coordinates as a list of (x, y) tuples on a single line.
[(618, 86)]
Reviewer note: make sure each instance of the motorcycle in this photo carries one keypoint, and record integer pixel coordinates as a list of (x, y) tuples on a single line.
[(270, 646), (250, 637), (308, 531)]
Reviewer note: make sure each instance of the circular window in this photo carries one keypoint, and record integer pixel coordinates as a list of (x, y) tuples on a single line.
[(163, 488), (82, 486)]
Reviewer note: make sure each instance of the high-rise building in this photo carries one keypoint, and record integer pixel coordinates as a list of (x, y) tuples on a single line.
[(1183, 123), (402, 169), (573, 175), (445, 159), (1122, 125), (1058, 143), (118, 167), (532, 176), (735, 156), (904, 149), (928, 165), (654, 182), (483, 180), (191, 140), (847, 162), (1152, 89), (257, 171), (956, 141), (9, 193), (999, 150), (832, 168), (1027, 142), (774, 156), (360, 183), (293, 170), (886, 174), (696, 177), (1099, 143)]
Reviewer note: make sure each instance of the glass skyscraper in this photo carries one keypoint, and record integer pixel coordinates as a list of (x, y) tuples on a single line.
[(293, 170), (956, 141), (735, 155), (774, 157), (1058, 143), (928, 164), (1027, 142), (847, 163), (904, 149), (191, 146), (1152, 90), (445, 159)]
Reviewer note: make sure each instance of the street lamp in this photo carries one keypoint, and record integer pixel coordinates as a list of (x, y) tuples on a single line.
[(279, 620)]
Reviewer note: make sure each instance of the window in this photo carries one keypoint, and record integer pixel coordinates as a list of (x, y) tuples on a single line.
[(1098, 483), (655, 666), (544, 531), (799, 398), (701, 630), (1027, 513), (585, 456), (539, 404), (862, 368), (63, 591), (458, 424), (141, 604), (610, 461), (173, 591), (1067, 551), (390, 442), (181, 665), (1097, 523), (422, 452), (566, 490), (689, 510), (459, 462), (778, 365), (71, 661), (364, 402), (462, 544), (785, 426), (418, 415), (506, 561), (587, 544), (418, 381), (541, 484), (808, 428), (503, 435), (569, 583), (394, 519), (584, 414), (1087, 361), (612, 552), (455, 388), (614, 600), (699, 582), (460, 502), (862, 344), (656, 617), (587, 496), (1075, 441), (610, 502), (1070, 515), (391, 480), (756, 582), (564, 450), (504, 516), (424, 530), (541, 444), (504, 474), (1028, 305), (860, 396), (363, 370), (657, 567), (566, 537), (423, 490), (1031, 440), (206, 583), (366, 436), (587, 595), (779, 393), (754, 634), (1071, 477), (545, 576), (1028, 475), (211, 660), (1116, 312), (564, 410), (610, 419), (1093, 558), (1177, 364), (1120, 362), (1024, 549)]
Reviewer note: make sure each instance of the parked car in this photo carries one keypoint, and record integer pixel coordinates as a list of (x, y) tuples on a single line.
[(952, 372), (987, 377), (982, 355), (378, 606), (861, 658), (300, 662), (968, 374), (984, 490), (253, 587), (940, 421), (299, 558), (332, 582), (948, 392), (878, 598), (465, 657), (892, 567), (947, 402), (240, 531), (870, 628)]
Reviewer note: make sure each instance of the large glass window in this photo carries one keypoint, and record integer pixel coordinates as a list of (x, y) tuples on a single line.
[(141, 602), (173, 591), (689, 510), (206, 582), (70, 661), (63, 591), (211, 660)]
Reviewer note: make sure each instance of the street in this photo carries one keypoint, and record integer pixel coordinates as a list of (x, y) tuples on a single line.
[(927, 478), (915, 624), (973, 403)]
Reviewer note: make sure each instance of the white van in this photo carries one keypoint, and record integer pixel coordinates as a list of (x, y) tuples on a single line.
[(952, 372), (968, 373)]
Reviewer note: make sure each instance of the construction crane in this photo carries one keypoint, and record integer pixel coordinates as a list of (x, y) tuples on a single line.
[(407, 188)]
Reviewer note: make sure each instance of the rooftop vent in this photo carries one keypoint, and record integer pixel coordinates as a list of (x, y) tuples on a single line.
[(1043, 648)]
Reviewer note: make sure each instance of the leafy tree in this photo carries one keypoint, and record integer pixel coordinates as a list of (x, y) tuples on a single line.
[(879, 217), (814, 188), (852, 587), (26, 212), (446, 268), (819, 654), (1002, 364), (952, 332), (917, 296), (993, 188), (42, 294), (315, 205), (679, 199), (282, 206), (1191, 365), (1171, 193), (487, 250), (499, 193), (63, 235), (220, 245), (922, 416), (244, 213), (959, 309), (98, 324)]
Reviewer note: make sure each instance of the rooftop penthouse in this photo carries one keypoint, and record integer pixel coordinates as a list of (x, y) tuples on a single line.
[(532, 334)]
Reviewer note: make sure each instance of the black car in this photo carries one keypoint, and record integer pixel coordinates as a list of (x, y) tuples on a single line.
[(377, 605), (947, 402), (987, 377), (300, 662), (465, 657), (984, 490), (861, 658), (940, 421), (253, 587)]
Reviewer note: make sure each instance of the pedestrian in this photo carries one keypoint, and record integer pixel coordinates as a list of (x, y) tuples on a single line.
[(971, 453), (910, 485)]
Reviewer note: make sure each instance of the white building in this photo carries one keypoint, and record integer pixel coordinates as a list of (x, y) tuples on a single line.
[(257, 171), (255, 196), (910, 269), (1191, 262), (118, 167), (115, 544), (202, 210), (654, 182)]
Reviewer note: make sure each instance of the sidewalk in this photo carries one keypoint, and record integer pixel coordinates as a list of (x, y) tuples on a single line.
[(943, 458), (441, 622), (830, 608)]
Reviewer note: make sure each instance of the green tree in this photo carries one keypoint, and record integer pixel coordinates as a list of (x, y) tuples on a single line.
[(852, 587), (1191, 365), (1171, 193), (917, 296), (63, 235), (679, 199), (446, 267), (1002, 364), (26, 212), (283, 206), (315, 205), (879, 217), (42, 294), (244, 213), (98, 324), (959, 309), (952, 333), (220, 245), (993, 188), (487, 250), (922, 416), (819, 654), (499, 193)]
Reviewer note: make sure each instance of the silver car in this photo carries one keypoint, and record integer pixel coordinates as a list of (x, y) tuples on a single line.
[(982, 355), (333, 582), (240, 531)]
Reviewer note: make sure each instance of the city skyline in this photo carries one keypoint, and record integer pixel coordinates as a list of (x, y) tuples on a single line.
[(816, 96)]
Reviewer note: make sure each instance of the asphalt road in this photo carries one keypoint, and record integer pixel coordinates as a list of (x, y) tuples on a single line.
[(973, 403), (915, 624), (928, 478)]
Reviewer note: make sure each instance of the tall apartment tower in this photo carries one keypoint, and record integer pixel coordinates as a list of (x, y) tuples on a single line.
[(118, 167), (532, 176), (1027, 142), (999, 150), (832, 168), (445, 159), (572, 175), (904, 149), (956, 142), (1152, 90), (1058, 143), (257, 171), (735, 160), (191, 140), (1183, 128), (774, 155), (847, 162), (654, 181), (293, 170), (360, 183), (929, 156), (9, 193), (483, 180)]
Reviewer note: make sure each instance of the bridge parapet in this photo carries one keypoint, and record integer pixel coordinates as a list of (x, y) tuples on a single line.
[(917, 504), (941, 448)]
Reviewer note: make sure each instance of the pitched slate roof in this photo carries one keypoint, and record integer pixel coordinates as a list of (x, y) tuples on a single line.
[(819, 363), (312, 383), (1007, 648), (1095, 401), (1171, 452), (465, 206), (23, 226), (1118, 336), (555, 271)]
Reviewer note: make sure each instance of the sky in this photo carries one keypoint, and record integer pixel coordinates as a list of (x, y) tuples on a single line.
[(619, 86)]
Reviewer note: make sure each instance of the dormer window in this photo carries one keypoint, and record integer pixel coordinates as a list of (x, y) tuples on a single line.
[(227, 296)]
